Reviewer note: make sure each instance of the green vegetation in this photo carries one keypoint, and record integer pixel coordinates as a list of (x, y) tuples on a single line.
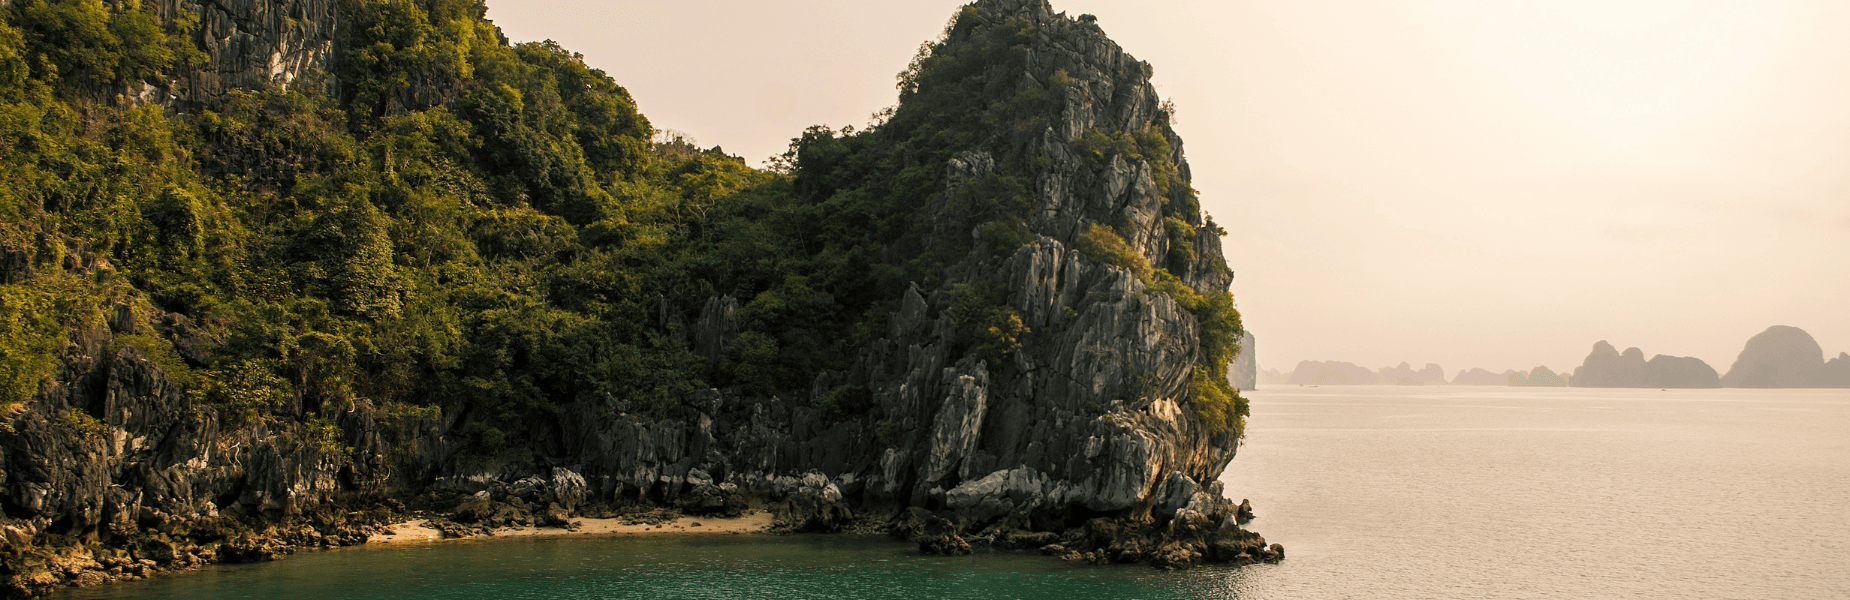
[(244, 391), (86, 425), (29, 340), (488, 228), (1102, 244)]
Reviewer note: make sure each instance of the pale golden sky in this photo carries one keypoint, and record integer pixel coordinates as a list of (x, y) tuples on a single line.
[(1477, 183)]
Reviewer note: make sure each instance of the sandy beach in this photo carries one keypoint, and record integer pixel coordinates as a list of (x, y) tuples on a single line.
[(418, 531)]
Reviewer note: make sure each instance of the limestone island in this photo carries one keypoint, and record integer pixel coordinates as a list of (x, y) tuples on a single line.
[(289, 274)]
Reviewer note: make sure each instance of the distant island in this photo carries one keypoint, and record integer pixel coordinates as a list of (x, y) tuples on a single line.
[(1311, 372), (1780, 357), (1538, 377), (1476, 376), (1786, 357), (1606, 367)]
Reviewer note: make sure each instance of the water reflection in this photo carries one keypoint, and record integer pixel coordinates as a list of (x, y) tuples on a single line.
[(718, 567)]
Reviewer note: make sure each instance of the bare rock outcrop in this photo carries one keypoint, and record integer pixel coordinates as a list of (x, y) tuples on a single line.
[(251, 45)]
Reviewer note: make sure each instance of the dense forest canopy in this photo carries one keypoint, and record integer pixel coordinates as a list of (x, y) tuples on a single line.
[(455, 225)]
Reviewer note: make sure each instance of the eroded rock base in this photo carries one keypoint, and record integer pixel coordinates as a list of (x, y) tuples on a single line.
[(1182, 542), (34, 561)]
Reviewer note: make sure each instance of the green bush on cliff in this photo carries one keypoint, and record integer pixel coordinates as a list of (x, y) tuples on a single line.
[(1218, 322), (29, 341), (244, 390), (161, 353), (1102, 244), (86, 425)]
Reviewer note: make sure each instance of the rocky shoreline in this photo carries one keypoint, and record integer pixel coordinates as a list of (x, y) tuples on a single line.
[(155, 543), (168, 487)]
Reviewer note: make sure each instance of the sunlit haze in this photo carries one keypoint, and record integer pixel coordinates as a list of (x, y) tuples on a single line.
[(1474, 183)]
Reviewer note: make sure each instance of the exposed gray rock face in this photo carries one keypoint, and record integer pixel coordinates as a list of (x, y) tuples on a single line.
[(111, 447), (1780, 357), (1244, 370), (718, 324), (116, 438), (251, 44)]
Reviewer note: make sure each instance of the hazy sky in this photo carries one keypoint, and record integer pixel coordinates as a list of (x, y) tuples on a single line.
[(1468, 182)]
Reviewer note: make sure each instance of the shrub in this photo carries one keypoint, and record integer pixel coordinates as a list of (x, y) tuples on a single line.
[(1004, 236), (1102, 244), (1003, 335), (83, 423), (887, 433), (29, 341), (845, 402), (245, 390), (326, 436), (1181, 256), (161, 353), (1216, 403)]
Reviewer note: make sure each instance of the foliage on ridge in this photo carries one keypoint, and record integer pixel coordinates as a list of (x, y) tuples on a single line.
[(489, 228)]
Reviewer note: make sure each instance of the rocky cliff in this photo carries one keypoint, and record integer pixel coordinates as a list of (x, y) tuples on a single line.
[(1056, 381), (250, 45), (1244, 372)]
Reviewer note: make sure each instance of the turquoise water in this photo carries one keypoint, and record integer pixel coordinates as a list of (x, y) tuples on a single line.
[(694, 567), (1376, 492)]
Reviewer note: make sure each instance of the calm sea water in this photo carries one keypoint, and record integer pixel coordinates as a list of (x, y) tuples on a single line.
[(1376, 492)]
